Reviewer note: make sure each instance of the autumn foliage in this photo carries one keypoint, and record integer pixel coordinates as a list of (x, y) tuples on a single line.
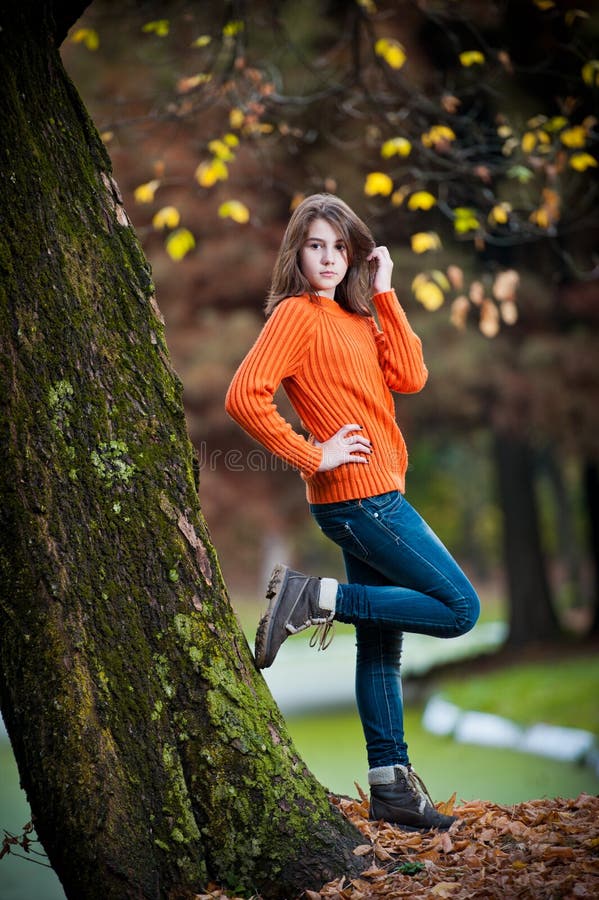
[(540, 848)]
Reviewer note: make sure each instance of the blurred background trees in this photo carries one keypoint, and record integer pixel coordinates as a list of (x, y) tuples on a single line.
[(465, 133)]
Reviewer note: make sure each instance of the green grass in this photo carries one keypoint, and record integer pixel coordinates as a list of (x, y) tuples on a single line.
[(332, 746), (561, 692), (20, 879)]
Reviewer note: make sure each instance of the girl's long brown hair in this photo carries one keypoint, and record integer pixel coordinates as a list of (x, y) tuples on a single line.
[(287, 278)]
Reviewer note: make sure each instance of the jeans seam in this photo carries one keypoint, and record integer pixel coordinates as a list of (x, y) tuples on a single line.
[(387, 704)]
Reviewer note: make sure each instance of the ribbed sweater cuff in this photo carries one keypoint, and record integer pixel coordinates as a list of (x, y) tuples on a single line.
[(309, 468), (386, 297)]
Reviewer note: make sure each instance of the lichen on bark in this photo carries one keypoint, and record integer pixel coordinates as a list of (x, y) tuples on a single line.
[(151, 751)]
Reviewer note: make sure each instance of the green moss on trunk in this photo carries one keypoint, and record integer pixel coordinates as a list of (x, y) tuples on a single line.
[(152, 754)]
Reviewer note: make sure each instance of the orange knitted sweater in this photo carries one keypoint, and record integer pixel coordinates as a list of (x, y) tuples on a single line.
[(337, 368)]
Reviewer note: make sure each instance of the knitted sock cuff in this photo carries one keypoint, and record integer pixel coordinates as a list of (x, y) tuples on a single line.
[(327, 598), (384, 774)]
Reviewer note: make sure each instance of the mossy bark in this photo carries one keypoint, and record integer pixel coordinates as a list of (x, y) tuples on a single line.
[(151, 751)]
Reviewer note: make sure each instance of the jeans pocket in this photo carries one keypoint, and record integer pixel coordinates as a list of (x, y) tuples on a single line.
[(341, 534)]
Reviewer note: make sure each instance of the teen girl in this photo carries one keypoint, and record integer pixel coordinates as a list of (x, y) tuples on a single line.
[(338, 369)]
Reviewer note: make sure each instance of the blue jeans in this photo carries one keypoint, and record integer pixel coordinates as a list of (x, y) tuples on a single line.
[(400, 578)]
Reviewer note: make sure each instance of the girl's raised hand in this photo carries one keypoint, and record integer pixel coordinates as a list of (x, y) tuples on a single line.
[(344, 447), (382, 266)]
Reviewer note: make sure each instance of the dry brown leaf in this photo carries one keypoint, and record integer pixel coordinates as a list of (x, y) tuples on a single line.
[(362, 849), (448, 806), (445, 889), (361, 793)]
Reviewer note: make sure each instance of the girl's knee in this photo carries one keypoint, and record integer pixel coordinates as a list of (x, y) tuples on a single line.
[(468, 614)]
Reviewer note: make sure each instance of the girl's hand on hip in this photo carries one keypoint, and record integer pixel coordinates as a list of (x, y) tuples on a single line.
[(344, 447), (381, 268)]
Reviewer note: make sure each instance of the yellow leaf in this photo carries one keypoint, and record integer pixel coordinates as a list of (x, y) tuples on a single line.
[(167, 217), (472, 58), (221, 150), (582, 161), (144, 193), (438, 135), (160, 27), (544, 4), (540, 217), (87, 36), (421, 200), (574, 137), (430, 295), (208, 173), (202, 41), (556, 123), (425, 240), (441, 279), (179, 243), (465, 220), (399, 146), (500, 213), (529, 141), (419, 280), (236, 117), (590, 73), (391, 51), (235, 26), (236, 210), (231, 140), (377, 183)]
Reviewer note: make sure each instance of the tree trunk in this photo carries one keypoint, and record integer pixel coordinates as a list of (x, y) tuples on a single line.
[(531, 614), (151, 751), (591, 495)]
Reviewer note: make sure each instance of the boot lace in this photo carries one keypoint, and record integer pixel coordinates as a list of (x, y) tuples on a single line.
[(322, 635), (418, 786)]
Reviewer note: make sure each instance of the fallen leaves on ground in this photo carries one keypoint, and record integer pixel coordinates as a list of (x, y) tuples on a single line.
[(541, 848), (538, 849)]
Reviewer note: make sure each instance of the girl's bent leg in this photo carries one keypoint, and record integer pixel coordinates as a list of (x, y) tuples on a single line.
[(426, 591)]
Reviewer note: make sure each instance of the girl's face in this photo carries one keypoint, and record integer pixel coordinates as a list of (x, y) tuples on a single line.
[(323, 258)]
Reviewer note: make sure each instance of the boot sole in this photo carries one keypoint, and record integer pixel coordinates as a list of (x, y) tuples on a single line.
[(405, 827), (276, 584)]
